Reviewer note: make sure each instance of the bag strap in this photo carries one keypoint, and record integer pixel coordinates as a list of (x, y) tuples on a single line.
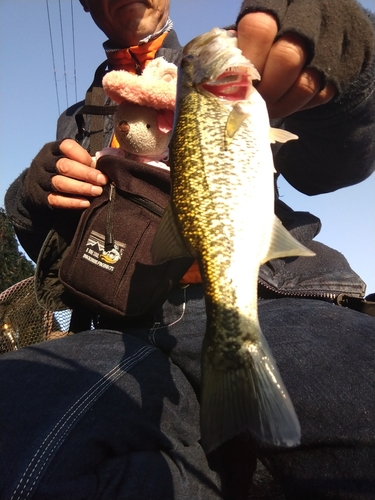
[(95, 106)]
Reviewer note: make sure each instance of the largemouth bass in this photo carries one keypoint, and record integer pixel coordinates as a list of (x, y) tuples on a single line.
[(222, 212)]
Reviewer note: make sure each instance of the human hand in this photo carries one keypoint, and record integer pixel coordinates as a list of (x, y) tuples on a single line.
[(77, 179), (286, 84)]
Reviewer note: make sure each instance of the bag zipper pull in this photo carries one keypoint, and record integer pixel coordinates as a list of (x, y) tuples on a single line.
[(109, 241)]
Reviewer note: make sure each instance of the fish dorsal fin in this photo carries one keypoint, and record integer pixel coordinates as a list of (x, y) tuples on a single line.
[(168, 243), (238, 114), (283, 244), (280, 135)]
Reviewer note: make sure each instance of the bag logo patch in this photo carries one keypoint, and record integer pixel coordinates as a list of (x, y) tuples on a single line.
[(96, 254)]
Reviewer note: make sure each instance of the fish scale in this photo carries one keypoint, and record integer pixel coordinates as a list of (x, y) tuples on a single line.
[(222, 212)]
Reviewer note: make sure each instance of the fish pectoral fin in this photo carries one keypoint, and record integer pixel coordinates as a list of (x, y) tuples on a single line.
[(251, 399), (283, 244), (238, 114), (280, 135), (168, 243)]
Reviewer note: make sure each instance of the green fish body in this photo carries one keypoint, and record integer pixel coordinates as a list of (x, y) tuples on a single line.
[(222, 212)]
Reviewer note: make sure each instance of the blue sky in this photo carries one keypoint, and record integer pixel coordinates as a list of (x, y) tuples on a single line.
[(29, 107)]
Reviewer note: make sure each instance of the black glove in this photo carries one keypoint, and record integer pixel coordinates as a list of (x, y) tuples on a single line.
[(37, 182), (27, 204), (339, 35)]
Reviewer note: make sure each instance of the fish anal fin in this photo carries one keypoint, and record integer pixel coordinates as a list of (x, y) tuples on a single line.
[(281, 135), (283, 244), (168, 243), (251, 399)]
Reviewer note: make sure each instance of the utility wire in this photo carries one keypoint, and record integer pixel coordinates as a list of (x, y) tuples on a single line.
[(74, 50), (53, 58), (63, 54)]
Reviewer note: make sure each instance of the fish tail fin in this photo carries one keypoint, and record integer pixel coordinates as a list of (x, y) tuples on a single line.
[(251, 398)]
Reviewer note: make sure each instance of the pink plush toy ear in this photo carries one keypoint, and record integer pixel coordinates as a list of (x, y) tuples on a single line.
[(165, 120), (154, 88)]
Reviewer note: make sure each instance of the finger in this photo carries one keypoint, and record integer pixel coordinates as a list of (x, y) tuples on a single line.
[(76, 152), (255, 34), (305, 93), (63, 184), (80, 171), (322, 97), (57, 200), (284, 64), (304, 89)]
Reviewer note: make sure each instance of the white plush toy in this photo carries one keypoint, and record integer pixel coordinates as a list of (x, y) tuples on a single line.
[(143, 121)]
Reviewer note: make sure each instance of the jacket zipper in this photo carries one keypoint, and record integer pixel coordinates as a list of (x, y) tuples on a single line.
[(312, 294), (274, 292), (356, 301)]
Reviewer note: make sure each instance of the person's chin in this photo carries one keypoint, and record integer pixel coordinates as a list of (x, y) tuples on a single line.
[(130, 13), (130, 4)]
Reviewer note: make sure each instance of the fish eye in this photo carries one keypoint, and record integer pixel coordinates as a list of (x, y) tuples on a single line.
[(187, 59), (148, 125)]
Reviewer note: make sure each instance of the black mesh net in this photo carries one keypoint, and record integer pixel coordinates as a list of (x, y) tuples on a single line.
[(23, 322)]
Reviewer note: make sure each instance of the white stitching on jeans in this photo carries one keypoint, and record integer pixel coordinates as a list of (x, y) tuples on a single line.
[(70, 417)]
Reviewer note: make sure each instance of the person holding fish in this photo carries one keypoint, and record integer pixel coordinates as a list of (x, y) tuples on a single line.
[(252, 355)]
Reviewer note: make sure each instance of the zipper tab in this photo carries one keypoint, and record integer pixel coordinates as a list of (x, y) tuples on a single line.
[(111, 190), (109, 241), (138, 69)]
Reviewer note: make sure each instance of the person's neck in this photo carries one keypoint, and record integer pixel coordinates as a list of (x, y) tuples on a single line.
[(109, 45), (133, 59)]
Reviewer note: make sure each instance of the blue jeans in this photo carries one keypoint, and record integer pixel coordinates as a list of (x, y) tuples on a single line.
[(112, 415)]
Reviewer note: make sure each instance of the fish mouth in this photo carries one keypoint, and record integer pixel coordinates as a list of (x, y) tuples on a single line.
[(232, 85), (217, 67)]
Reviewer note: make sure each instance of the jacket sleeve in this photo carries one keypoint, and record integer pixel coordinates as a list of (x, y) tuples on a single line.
[(335, 147)]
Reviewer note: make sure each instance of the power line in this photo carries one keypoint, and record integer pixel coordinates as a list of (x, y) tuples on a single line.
[(53, 57), (63, 54), (74, 50), (63, 46)]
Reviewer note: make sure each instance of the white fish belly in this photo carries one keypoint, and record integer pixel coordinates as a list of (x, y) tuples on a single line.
[(240, 187)]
